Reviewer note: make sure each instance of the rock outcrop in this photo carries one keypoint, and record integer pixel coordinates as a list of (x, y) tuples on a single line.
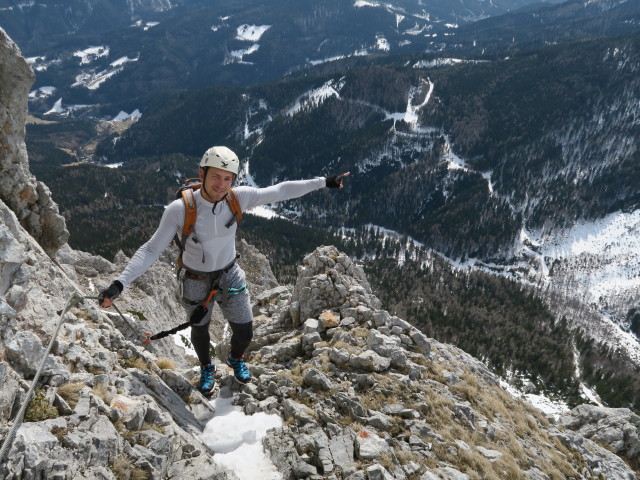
[(619, 428), (365, 395), (28, 198)]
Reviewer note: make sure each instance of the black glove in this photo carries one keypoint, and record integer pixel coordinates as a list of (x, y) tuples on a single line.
[(335, 181), (114, 290)]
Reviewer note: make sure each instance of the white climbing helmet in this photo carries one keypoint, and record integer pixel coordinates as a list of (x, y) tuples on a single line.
[(221, 157)]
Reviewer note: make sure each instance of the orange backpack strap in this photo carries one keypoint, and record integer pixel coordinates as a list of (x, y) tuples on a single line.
[(190, 214), (234, 205)]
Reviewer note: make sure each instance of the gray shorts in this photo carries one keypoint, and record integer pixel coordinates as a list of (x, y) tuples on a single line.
[(237, 308)]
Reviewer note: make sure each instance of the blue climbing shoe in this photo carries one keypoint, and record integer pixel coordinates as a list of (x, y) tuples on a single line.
[(207, 383), (240, 370)]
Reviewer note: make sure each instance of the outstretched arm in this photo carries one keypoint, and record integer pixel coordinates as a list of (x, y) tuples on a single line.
[(290, 189), (146, 255)]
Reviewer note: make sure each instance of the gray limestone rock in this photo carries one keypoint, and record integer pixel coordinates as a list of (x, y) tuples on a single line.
[(617, 427), (29, 199)]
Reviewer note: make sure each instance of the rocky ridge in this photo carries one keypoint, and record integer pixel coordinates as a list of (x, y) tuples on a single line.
[(28, 198), (364, 394)]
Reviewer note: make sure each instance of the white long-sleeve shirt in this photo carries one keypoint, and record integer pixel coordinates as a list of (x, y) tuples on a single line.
[(212, 245)]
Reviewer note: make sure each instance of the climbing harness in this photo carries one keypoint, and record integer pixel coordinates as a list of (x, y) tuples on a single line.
[(73, 301), (217, 285)]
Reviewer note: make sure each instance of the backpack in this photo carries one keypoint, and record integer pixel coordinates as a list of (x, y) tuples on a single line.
[(190, 212)]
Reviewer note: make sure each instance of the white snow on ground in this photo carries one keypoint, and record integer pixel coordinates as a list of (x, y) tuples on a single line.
[(316, 97), (40, 63), (122, 60), (251, 33), (57, 108), (602, 256), (454, 162), (417, 30), (237, 56), (439, 62), (364, 3), (264, 211), (145, 25), (595, 263), (542, 403), (382, 43), (122, 116), (92, 80), (236, 440), (90, 54), (410, 115), (42, 92), (359, 53)]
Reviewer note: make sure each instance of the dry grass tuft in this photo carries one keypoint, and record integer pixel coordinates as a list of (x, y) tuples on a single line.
[(102, 391), (137, 362), (342, 345), (70, 392), (166, 364), (360, 332), (123, 468), (294, 374)]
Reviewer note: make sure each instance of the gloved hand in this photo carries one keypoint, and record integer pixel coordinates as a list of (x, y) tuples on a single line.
[(106, 297), (335, 180)]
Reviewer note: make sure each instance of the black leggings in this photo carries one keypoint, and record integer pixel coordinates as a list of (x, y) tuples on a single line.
[(241, 336)]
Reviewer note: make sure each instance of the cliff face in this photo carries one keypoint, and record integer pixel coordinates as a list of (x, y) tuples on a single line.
[(365, 395), (28, 198)]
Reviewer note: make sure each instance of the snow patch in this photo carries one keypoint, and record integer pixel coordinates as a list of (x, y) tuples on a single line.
[(359, 53), (93, 80), (40, 63), (316, 97), (59, 109), (410, 115), (441, 62), (382, 43), (42, 92), (237, 56), (364, 3), (236, 440), (122, 116), (550, 407), (251, 33), (145, 25), (88, 55)]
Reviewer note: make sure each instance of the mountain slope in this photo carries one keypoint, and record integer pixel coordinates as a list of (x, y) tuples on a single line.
[(464, 156), (238, 43), (550, 24)]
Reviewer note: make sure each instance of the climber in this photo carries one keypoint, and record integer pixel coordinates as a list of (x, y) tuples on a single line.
[(209, 269)]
